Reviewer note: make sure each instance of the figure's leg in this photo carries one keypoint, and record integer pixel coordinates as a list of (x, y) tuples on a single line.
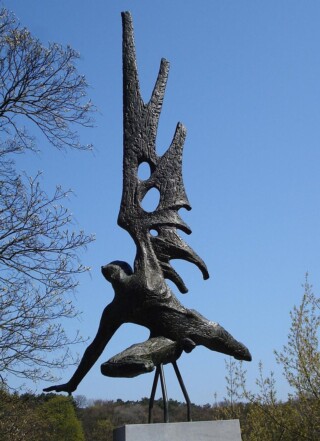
[(215, 337), (142, 358)]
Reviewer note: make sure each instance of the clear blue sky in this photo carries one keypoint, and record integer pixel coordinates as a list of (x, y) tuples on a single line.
[(245, 80)]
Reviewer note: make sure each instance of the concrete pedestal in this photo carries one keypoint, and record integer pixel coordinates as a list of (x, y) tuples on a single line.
[(228, 430)]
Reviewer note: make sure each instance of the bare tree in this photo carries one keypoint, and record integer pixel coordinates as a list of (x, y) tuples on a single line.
[(41, 85), (38, 252)]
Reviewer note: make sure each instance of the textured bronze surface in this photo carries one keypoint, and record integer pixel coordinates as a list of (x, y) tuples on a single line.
[(142, 295)]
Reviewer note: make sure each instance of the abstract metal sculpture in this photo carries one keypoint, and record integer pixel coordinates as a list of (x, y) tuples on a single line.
[(142, 295)]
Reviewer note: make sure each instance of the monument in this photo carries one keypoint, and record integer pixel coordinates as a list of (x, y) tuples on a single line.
[(141, 294)]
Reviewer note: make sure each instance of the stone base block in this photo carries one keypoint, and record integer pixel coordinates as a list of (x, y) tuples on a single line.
[(228, 430)]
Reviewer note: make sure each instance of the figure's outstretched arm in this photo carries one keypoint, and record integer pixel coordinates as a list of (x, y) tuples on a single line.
[(109, 323)]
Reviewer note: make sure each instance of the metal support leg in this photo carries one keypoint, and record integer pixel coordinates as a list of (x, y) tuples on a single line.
[(184, 390), (164, 395), (153, 392), (159, 373)]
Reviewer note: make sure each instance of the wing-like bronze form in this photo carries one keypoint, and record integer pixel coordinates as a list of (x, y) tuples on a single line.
[(140, 131), (142, 296)]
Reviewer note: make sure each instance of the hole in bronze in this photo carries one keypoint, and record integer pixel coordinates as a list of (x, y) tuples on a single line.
[(151, 200), (144, 171)]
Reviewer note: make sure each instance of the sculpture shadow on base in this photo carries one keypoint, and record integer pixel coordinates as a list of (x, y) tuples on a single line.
[(141, 294)]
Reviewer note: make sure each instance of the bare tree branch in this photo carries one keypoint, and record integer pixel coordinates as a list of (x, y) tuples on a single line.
[(39, 254), (41, 85)]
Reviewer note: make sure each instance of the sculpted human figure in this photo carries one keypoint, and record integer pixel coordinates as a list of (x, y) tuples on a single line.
[(141, 295), (173, 328)]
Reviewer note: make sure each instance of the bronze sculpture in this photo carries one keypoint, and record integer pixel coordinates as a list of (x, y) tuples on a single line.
[(142, 295)]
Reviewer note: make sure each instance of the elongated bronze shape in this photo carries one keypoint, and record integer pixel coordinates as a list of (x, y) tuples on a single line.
[(142, 295)]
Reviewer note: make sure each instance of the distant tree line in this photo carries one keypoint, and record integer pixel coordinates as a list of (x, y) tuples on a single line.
[(56, 418)]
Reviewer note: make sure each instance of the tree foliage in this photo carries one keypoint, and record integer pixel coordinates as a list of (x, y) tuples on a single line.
[(37, 418), (39, 88), (300, 357), (267, 418), (59, 421)]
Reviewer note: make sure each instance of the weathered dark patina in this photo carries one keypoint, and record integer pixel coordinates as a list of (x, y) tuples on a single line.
[(142, 295)]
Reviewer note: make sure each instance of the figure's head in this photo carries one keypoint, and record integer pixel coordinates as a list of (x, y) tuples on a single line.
[(116, 271)]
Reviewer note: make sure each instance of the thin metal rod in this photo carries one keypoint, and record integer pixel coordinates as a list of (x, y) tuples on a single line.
[(153, 393), (164, 395), (183, 388)]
